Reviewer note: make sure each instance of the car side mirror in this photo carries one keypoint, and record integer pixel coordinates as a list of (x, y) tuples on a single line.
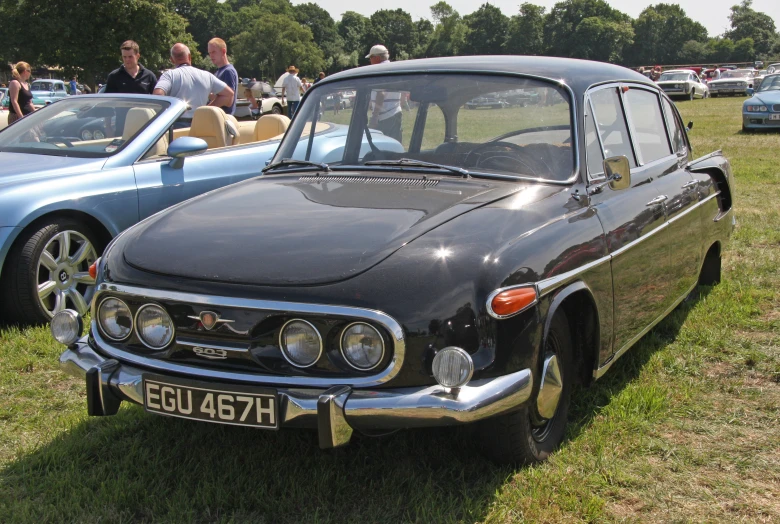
[(751, 91), (618, 172), (690, 125), (183, 147)]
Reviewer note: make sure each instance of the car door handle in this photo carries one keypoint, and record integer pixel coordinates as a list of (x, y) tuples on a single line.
[(657, 200), (692, 183)]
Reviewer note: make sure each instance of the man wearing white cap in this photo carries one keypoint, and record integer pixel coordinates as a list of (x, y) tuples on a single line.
[(386, 114)]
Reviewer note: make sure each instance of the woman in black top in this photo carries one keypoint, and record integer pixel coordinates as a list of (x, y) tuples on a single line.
[(19, 93)]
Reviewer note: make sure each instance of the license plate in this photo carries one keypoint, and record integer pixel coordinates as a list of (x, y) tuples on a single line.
[(774, 117), (233, 405), (725, 90)]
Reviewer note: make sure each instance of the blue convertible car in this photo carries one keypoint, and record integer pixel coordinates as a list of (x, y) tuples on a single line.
[(762, 110), (62, 198)]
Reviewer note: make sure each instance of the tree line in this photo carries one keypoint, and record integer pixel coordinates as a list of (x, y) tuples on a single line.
[(265, 36)]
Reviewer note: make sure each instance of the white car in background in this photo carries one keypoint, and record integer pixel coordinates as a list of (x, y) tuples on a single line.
[(265, 96), (683, 83), (735, 82)]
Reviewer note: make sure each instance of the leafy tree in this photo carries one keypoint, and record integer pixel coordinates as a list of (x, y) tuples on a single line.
[(84, 37), (205, 20), (693, 52), (660, 32), (747, 23), (720, 49), (744, 50), (525, 35), (325, 35), (562, 34), (392, 28), (271, 43), (449, 33), (353, 28), (421, 37), (487, 28)]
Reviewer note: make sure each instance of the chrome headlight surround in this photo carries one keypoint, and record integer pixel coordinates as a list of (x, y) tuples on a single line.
[(344, 333), (283, 346), (165, 316), (103, 329)]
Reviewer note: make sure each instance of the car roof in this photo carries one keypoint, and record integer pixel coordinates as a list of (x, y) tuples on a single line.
[(680, 71), (578, 74)]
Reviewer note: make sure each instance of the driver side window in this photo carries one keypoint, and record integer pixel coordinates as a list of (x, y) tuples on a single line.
[(611, 124)]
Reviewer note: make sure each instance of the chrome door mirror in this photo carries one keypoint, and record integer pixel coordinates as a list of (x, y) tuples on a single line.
[(618, 172), (183, 147)]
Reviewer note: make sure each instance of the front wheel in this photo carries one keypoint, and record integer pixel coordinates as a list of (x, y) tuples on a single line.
[(532, 433), (48, 271), (276, 110)]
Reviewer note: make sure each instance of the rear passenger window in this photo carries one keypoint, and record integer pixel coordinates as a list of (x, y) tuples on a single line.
[(675, 131), (648, 125), (611, 124)]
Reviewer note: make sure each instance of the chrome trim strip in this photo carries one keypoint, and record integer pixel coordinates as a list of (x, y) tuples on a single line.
[(546, 286), (598, 373), (501, 290), (386, 321)]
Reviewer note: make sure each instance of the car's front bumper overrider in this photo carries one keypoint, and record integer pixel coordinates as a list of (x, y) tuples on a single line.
[(335, 412)]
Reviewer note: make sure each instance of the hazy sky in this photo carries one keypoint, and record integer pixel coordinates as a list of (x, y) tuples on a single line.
[(713, 14)]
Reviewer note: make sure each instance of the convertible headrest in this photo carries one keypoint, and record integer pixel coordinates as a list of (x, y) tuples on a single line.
[(136, 118), (269, 126), (208, 123)]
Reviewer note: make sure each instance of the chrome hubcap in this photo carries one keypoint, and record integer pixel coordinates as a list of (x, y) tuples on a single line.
[(63, 273), (550, 388)]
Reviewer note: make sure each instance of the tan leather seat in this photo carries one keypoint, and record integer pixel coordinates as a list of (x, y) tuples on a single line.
[(269, 126), (136, 118), (208, 123)]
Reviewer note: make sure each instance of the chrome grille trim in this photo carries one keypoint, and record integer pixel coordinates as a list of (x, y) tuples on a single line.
[(419, 182), (116, 351)]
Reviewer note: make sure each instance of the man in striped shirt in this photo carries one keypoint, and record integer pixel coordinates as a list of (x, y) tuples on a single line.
[(386, 113)]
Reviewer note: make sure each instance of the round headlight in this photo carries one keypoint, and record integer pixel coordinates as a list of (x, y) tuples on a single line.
[(362, 346), (452, 367), (66, 327), (154, 326), (762, 108), (301, 343), (115, 319)]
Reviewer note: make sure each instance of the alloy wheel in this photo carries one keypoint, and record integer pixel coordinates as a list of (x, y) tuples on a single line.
[(63, 273)]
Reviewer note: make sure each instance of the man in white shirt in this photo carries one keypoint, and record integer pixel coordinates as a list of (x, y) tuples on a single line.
[(292, 87), (191, 84), (386, 114)]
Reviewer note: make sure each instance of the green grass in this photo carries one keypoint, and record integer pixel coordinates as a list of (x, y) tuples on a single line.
[(685, 427)]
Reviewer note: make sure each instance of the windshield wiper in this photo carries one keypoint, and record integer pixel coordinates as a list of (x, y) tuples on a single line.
[(410, 162), (293, 162)]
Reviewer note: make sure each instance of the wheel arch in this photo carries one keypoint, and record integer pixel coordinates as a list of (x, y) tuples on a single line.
[(577, 302)]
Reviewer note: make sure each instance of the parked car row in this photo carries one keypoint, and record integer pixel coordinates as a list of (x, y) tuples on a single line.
[(467, 270)]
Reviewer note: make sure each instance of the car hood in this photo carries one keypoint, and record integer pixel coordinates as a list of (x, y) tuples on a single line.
[(764, 99), (298, 229), (730, 80), (22, 167), (667, 82)]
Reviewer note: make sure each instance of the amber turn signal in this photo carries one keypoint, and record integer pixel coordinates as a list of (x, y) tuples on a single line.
[(93, 269), (513, 301)]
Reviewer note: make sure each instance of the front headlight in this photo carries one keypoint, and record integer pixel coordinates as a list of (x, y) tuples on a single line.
[(301, 343), (754, 108), (362, 346), (115, 319), (154, 326)]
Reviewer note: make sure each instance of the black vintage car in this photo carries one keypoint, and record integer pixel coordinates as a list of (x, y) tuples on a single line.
[(471, 271)]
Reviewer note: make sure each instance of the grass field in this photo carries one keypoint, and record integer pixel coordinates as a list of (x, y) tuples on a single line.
[(685, 427)]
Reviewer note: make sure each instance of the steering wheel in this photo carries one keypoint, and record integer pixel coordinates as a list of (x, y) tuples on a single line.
[(58, 140), (497, 151)]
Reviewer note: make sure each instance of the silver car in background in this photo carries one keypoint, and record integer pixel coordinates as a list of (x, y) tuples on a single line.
[(683, 83), (735, 82)]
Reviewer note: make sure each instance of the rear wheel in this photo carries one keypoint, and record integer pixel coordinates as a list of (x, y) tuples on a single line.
[(531, 434), (276, 110), (48, 271)]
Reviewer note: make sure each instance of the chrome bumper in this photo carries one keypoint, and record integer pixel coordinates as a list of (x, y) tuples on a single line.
[(335, 412)]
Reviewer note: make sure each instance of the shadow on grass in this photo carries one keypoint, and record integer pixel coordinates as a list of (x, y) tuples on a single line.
[(136, 466)]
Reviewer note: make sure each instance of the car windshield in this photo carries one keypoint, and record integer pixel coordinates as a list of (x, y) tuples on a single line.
[(734, 74), (479, 124), (770, 83), (84, 126), (679, 77), (41, 86)]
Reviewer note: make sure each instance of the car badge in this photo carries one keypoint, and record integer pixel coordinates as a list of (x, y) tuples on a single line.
[(209, 319)]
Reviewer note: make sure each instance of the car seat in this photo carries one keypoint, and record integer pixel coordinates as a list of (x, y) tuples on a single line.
[(269, 126), (135, 120), (208, 123)]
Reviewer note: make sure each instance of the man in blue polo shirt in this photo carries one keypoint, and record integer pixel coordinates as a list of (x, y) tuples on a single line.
[(226, 72)]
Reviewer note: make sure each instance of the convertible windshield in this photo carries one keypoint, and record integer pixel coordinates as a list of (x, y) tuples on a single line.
[(442, 123), (678, 77), (83, 126), (738, 73), (770, 83)]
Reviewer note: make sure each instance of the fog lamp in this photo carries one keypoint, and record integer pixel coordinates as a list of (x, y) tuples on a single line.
[(362, 346), (301, 343), (66, 327), (154, 326), (452, 367)]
